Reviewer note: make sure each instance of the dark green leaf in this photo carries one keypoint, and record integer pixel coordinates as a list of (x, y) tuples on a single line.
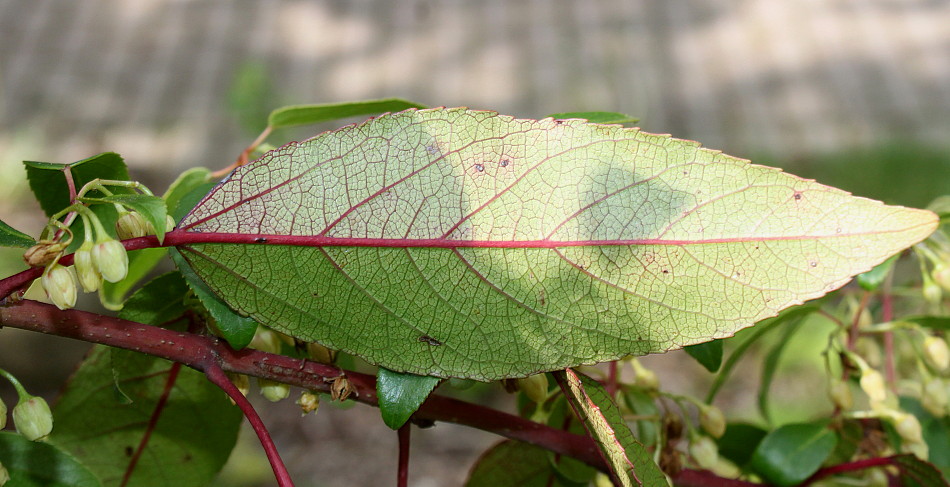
[(597, 117), (770, 366), (400, 395), (11, 237), (38, 464), (932, 322), (236, 329), (151, 207), (918, 473), (48, 181), (512, 464), (158, 302), (872, 279), (708, 354), (791, 453), (739, 442), (193, 437), (188, 199), (186, 183), (140, 263), (629, 461), (306, 114)]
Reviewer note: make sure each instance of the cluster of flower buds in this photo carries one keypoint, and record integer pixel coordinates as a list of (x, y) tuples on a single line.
[(132, 224), (644, 377)]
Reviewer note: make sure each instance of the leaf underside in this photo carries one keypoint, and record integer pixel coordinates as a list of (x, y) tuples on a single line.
[(461, 243)]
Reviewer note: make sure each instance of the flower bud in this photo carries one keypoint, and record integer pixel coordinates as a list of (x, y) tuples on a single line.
[(111, 259), (241, 382), (4, 475), (43, 253), (535, 387), (934, 397), (32, 418), (308, 402), (704, 451), (89, 276), (876, 477), (872, 382), (60, 285), (131, 225), (941, 275), (266, 340), (932, 292), (273, 391), (643, 376), (936, 353), (918, 448), (840, 394), (3, 415), (712, 420), (908, 427), (602, 480)]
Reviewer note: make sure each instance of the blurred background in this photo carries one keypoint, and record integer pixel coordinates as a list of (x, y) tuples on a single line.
[(854, 93)]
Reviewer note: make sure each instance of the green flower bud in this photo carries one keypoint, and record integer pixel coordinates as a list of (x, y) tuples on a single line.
[(941, 275), (3, 415), (89, 276), (712, 420), (169, 223), (643, 376), (240, 381), (43, 253), (4, 475), (535, 387), (840, 394), (908, 427), (32, 418), (872, 382), (936, 353), (308, 402), (918, 448), (704, 451), (111, 259), (934, 397), (932, 292), (273, 391), (131, 225), (60, 285), (266, 340), (876, 477)]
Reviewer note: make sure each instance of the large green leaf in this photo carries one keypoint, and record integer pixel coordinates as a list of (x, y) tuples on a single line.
[(514, 464), (451, 242), (791, 453), (38, 464), (191, 423)]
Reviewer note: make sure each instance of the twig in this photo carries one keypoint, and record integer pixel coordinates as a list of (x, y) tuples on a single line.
[(402, 476)]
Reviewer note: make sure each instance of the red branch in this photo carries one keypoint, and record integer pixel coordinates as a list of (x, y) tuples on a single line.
[(402, 474)]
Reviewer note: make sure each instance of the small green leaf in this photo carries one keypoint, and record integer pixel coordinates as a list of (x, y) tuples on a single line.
[(186, 183), (708, 354), (629, 462), (790, 454), (739, 442), (400, 395), (11, 237), (512, 464), (929, 321), (238, 330), (151, 207), (39, 464), (48, 181), (872, 279), (159, 301), (597, 117), (307, 114), (141, 262)]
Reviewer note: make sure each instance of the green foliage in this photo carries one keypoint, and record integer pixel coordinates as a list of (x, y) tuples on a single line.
[(37, 464), (400, 395), (597, 117), (791, 453), (11, 237), (49, 183), (308, 114), (708, 354)]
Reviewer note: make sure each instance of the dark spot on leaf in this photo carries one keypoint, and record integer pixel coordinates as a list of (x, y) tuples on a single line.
[(260, 240), (430, 340), (129, 451), (798, 196), (186, 458), (479, 167), (813, 264), (504, 163), (666, 271)]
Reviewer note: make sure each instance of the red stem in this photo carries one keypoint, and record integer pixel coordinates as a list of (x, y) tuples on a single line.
[(216, 375), (848, 467), (402, 476), (887, 315), (152, 421)]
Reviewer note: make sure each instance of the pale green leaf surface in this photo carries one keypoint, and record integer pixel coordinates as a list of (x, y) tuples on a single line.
[(639, 243), (629, 461)]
